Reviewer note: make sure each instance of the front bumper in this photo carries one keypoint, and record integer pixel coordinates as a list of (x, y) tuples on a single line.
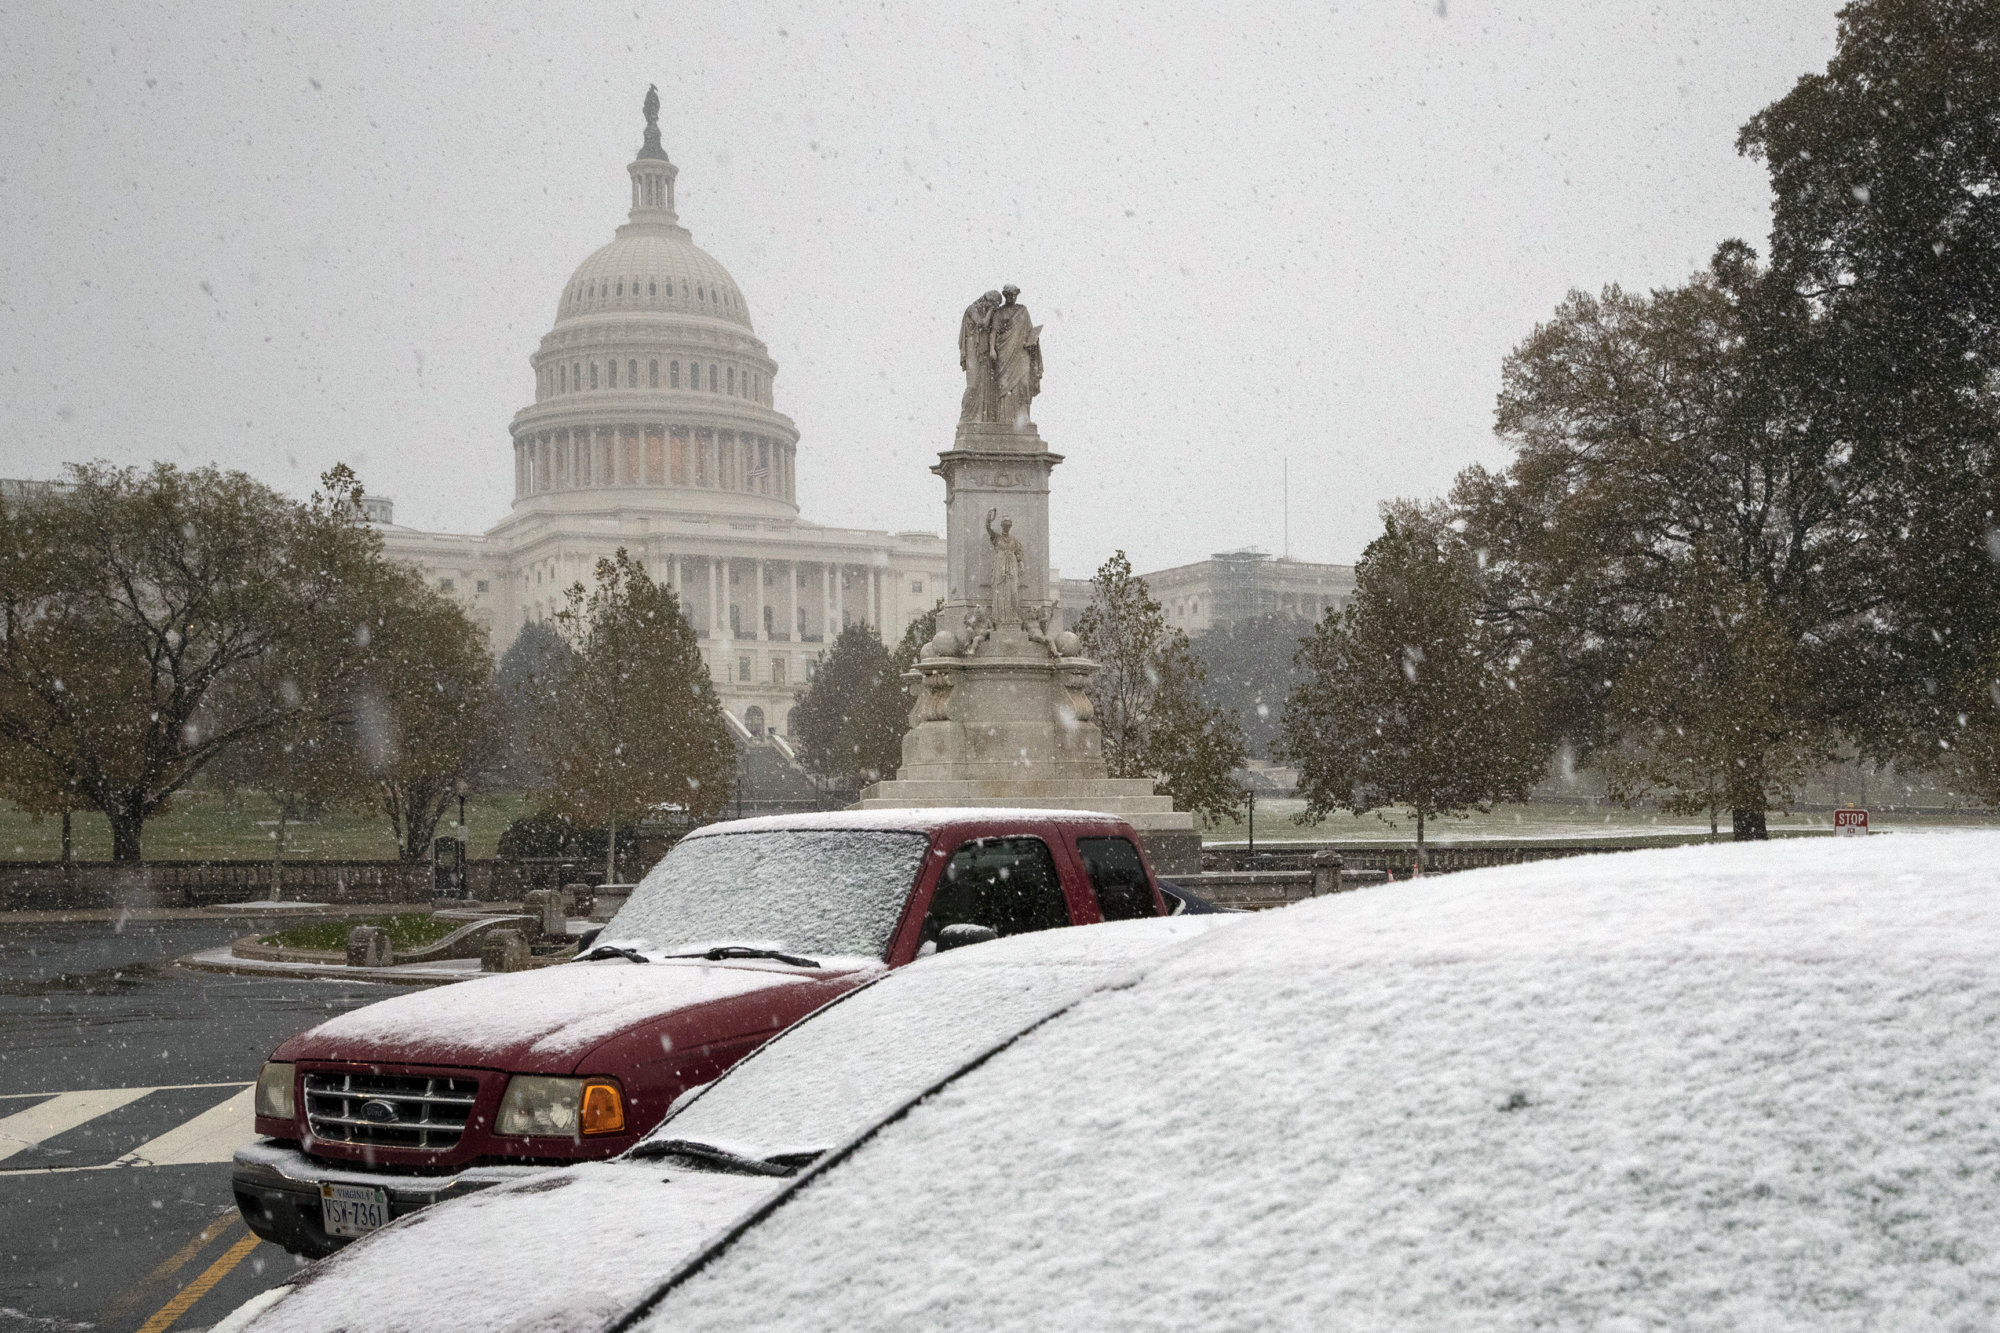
[(277, 1191)]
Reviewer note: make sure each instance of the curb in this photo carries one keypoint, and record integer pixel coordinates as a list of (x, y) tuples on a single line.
[(421, 974), (238, 912)]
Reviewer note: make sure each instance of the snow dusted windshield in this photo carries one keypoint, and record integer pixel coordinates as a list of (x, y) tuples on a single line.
[(813, 891)]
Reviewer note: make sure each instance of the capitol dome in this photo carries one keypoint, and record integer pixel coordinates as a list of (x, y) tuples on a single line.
[(652, 387), (653, 268)]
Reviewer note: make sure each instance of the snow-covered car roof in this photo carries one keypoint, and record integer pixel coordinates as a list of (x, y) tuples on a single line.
[(920, 819), (562, 1251), (1724, 1087)]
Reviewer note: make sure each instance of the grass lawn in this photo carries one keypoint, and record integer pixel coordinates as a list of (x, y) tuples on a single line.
[(407, 930), (1274, 824), (204, 826)]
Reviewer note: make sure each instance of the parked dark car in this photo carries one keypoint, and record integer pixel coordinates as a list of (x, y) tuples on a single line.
[(1180, 902)]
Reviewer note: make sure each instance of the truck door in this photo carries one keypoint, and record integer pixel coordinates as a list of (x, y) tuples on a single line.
[(1010, 885)]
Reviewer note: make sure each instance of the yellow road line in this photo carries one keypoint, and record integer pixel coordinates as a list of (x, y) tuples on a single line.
[(173, 1263), (195, 1290)]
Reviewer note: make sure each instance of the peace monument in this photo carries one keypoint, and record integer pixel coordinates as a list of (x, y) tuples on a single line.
[(1001, 714)]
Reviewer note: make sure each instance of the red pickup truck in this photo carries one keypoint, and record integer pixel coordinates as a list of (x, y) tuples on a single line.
[(740, 931)]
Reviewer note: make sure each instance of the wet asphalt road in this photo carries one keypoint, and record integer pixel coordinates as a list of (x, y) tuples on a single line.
[(85, 1007)]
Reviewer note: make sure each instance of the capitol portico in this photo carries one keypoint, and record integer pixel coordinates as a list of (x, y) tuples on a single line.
[(654, 427)]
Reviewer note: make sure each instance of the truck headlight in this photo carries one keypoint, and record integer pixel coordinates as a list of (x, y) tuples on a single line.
[(541, 1107), (274, 1091)]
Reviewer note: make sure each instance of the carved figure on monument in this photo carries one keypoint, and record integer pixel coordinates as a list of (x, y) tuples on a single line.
[(978, 627), (1036, 625), (975, 358), (652, 107), (933, 697), (1017, 356), (1003, 571), (1076, 684)]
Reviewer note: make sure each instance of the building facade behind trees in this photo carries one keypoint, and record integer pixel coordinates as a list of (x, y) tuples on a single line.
[(1234, 586)]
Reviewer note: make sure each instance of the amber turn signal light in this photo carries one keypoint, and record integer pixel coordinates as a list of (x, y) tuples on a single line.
[(603, 1110)]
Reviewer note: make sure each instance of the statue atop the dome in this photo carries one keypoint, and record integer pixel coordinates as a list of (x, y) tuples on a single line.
[(651, 151), (1017, 358), (975, 358)]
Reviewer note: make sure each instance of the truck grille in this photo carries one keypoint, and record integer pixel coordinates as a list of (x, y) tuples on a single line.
[(389, 1110)]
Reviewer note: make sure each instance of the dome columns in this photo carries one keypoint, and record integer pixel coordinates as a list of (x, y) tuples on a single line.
[(742, 599), (655, 454)]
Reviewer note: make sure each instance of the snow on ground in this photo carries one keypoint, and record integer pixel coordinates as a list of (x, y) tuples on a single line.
[(1728, 1087), (415, 974)]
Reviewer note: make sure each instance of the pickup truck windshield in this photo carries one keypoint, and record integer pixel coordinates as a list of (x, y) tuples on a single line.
[(812, 891)]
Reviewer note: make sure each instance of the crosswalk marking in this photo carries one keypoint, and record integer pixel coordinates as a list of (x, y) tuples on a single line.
[(60, 1114), (211, 1136)]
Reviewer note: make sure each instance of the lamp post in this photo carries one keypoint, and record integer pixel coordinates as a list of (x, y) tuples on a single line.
[(464, 846)]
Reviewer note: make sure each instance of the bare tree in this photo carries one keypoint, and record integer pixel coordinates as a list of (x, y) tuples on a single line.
[(639, 725), (129, 600), (1407, 698), (424, 711), (1147, 698)]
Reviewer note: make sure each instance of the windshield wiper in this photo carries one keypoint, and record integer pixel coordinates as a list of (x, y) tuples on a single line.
[(611, 951), (722, 951), (784, 1164)]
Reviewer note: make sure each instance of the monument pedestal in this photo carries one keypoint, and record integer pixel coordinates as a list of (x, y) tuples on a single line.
[(1001, 714)]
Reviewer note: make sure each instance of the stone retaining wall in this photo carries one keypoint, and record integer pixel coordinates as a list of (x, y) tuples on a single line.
[(51, 886), (1255, 890), (1400, 859)]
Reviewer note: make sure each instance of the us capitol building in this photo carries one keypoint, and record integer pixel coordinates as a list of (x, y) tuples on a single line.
[(655, 428)]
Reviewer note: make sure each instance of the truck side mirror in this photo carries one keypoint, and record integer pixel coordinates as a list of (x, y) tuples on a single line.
[(964, 933)]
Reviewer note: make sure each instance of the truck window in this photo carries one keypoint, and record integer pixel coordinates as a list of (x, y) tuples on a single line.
[(1010, 884), (814, 890), (1117, 877)]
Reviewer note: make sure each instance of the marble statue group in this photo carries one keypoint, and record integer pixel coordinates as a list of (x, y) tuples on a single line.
[(1000, 350)]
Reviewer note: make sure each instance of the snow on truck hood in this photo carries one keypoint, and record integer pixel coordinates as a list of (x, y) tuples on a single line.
[(545, 1019)]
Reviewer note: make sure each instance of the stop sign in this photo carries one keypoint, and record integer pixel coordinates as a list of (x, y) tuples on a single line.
[(1850, 821)]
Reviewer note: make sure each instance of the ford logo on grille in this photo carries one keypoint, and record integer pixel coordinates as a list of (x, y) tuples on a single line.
[(376, 1111)]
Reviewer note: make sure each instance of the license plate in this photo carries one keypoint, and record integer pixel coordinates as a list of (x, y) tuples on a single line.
[(352, 1210)]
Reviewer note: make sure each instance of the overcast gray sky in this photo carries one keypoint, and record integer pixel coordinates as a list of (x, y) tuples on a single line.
[(274, 238)]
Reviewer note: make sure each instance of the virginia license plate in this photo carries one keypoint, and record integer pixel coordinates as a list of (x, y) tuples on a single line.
[(352, 1210)]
